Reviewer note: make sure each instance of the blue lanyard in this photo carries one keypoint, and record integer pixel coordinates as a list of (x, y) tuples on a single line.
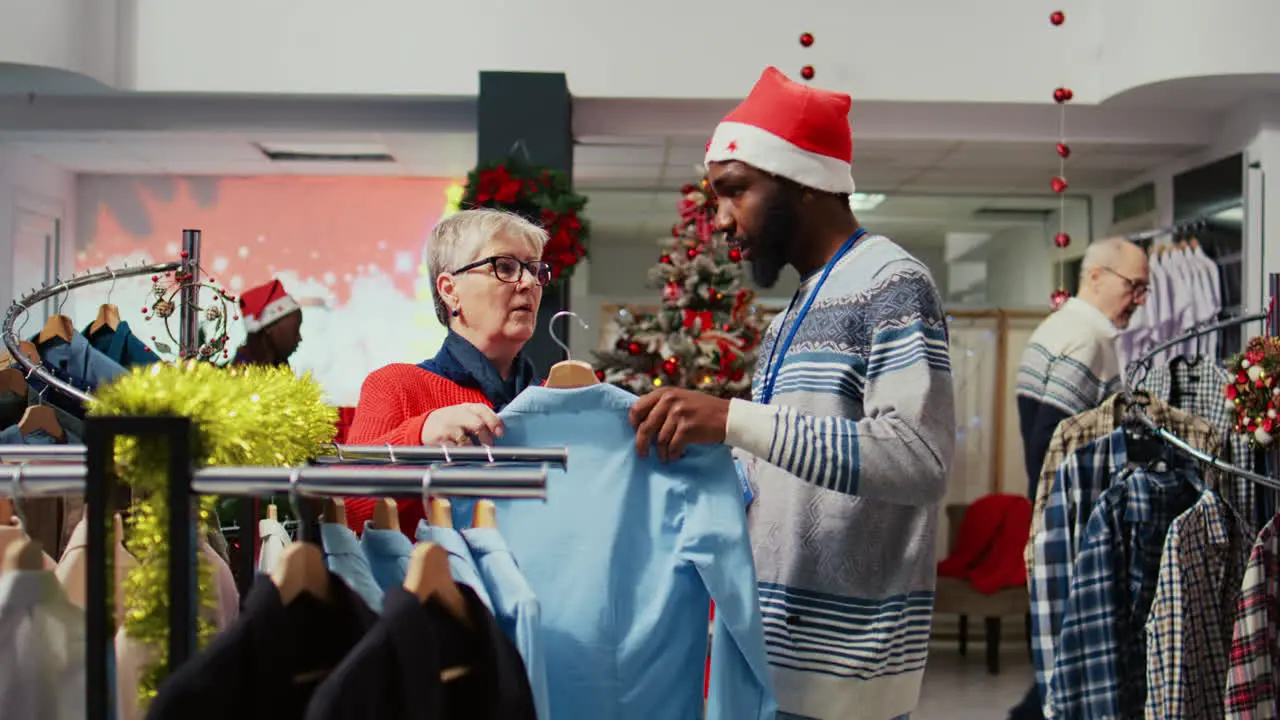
[(771, 372)]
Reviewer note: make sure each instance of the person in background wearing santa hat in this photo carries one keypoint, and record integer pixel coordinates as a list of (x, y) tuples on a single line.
[(274, 321), (847, 440)]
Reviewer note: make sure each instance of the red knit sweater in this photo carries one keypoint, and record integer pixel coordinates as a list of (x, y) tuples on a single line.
[(394, 403)]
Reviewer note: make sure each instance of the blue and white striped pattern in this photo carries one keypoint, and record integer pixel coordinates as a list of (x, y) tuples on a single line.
[(1070, 362), (851, 460)]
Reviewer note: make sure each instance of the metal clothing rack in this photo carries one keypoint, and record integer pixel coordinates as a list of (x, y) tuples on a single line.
[(1273, 326), (188, 267), (95, 477), (1177, 228)]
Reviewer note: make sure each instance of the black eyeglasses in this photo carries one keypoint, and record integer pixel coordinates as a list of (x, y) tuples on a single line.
[(509, 269), (1137, 288)]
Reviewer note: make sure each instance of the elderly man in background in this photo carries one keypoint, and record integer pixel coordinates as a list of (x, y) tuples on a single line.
[(1070, 364)]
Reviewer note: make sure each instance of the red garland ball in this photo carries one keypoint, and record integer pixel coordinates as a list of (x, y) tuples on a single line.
[(666, 259), (806, 39), (634, 348), (1062, 240), (1058, 299), (1059, 184), (1057, 17), (1064, 151), (600, 375), (735, 254), (1062, 95), (693, 253), (675, 231), (671, 366), (806, 72)]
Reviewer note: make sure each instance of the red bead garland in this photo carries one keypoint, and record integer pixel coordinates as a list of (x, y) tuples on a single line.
[(806, 39), (1062, 239), (806, 72)]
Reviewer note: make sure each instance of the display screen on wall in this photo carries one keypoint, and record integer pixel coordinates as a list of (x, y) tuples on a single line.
[(351, 250)]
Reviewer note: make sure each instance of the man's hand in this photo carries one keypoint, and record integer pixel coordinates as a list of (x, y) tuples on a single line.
[(674, 418)]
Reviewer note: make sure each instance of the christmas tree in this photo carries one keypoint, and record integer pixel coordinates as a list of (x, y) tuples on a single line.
[(706, 333)]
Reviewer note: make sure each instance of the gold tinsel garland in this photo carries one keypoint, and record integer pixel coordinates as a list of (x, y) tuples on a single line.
[(242, 416)]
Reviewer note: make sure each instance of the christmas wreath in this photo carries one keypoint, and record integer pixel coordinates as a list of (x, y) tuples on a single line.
[(1254, 391), (540, 195)]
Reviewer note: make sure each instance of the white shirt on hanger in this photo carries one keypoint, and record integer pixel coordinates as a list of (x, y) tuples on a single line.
[(274, 541), (42, 638)]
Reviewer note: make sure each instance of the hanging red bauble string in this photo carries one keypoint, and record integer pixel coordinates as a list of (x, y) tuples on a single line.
[(692, 253), (1057, 17), (1059, 184), (1058, 298), (666, 259), (1062, 239), (806, 39), (1064, 151), (735, 254), (600, 375), (634, 348), (671, 366), (675, 231), (1062, 95), (806, 72)]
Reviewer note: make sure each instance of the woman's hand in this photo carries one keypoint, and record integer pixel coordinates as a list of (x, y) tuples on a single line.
[(458, 424)]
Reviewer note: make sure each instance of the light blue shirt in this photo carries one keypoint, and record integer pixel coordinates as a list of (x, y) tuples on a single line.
[(461, 565), (345, 559), (514, 604), (625, 556), (388, 554)]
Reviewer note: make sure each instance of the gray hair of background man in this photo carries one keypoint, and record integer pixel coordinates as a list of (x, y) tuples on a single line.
[(1102, 254), (460, 238)]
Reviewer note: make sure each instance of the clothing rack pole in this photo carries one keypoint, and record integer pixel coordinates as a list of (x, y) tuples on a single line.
[(346, 455), (25, 303), (189, 327), (1175, 228), (1145, 361)]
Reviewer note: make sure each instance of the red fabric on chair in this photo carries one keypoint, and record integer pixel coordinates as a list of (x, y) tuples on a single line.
[(977, 533), (1003, 565)]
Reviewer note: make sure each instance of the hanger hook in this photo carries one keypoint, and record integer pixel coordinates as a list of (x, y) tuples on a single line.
[(295, 476), (448, 460), (426, 491), (551, 326), (337, 450), (488, 449), (62, 299), (111, 290), (15, 494), (391, 453), (26, 317)]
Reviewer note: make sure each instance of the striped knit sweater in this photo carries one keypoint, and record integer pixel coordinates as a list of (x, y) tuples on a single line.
[(1069, 366), (849, 463)]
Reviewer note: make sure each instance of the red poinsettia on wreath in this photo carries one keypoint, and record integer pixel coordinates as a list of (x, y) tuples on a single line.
[(542, 196), (1254, 392)]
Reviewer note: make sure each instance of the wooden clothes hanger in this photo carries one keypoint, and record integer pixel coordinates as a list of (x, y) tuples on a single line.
[(440, 513), (41, 417), (272, 512), (301, 567), (12, 380), (428, 575), (569, 373), (485, 515), (334, 512), (26, 347), (108, 314), (386, 514), (20, 551)]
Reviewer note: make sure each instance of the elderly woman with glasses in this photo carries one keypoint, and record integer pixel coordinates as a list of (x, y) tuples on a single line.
[(489, 276)]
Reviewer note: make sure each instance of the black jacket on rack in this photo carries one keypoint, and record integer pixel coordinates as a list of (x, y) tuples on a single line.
[(395, 671), (267, 665)]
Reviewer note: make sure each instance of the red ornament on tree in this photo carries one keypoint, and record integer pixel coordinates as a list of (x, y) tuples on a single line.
[(1062, 95), (693, 253), (1064, 151), (1057, 17), (634, 348), (1059, 184), (806, 39), (671, 366), (806, 72), (666, 259), (1062, 240), (1058, 298), (735, 254), (600, 375)]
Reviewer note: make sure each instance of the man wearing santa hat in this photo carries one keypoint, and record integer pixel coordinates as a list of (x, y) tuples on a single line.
[(274, 322), (849, 433)]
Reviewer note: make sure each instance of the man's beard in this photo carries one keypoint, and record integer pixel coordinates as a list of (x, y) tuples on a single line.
[(778, 229)]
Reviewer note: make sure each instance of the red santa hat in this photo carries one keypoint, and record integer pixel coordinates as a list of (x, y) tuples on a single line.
[(791, 130), (265, 304)]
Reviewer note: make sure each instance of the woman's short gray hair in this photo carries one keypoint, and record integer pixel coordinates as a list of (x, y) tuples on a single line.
[(459, 238)]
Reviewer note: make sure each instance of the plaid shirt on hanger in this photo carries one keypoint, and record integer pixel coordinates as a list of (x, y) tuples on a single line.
[(1079, 430), (1255, 644), (1099, 667), (1189, 628), (1199, 389)]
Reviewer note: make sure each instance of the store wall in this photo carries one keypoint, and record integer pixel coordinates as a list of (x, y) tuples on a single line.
[(350, 249), (33, 195)]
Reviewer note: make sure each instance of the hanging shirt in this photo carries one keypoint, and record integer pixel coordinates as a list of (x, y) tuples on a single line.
[(1252, 692), (388, 554), (1189, 629), (275, 539), (120, 345), (79, 362), (345, 559), (625, 555), (1099, 670), (268, 664), (515, 605), (42, 641), (461, 564), (395, 671)]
